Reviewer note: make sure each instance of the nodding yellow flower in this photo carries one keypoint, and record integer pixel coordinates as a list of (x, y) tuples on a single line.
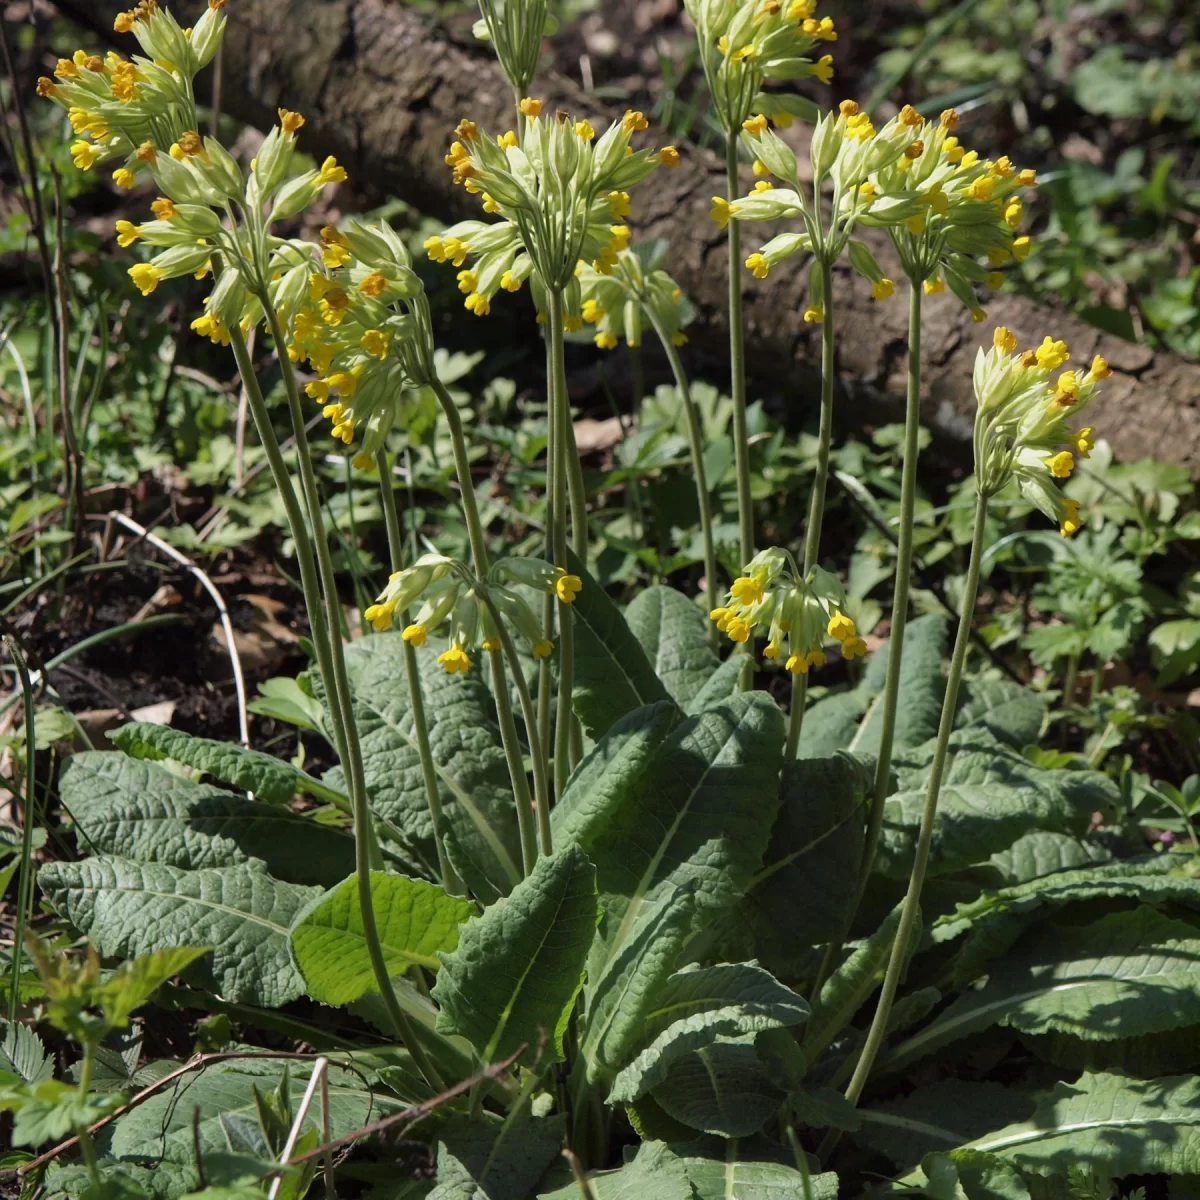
[(814, 314), (848, 108), (760, 168), (859, 126), (318, 390), (981, 188), (146, 152), (606, 341), (84, 155), (761, 186), (755, 125), (914, 224), (415, 635), (454, 659), (1069, 523), (1027, 178), (380, 615), (841, 627), (290, 122), (868, 191), (759, 265), (1004, 339), (467, 282), (489, 203), (572, 323), (334, 256), (477, 304), (65, 69), (584, 130), (592, 311), (800, 10), (948, 118), (722, 211), (822, 30), (618, 205), (333, 306), (363, 461), (192, 144), (668, 156), (123, 177), (330, 172), (346, 383), (1061, 464), (127, 233), (910, 117), (1083, 441), (768, 8), (882, 289), (542, 648), (1051, 354), (678, 338), (46, 87), (931, 287), (92, 62), (746, 590), (771, 650), (620, 236), (344, 433), (997, 256), (566, 587), (797, 664), (506, 139), (937, 199), (124, 22), (332, 236), (994, 279), (375, 342), (212, 328), (1099, 368), (145, 277), (633, 121), (824, 68), (509, 283), (333, 412), (372, 284), (1013, 213), (853, 647), (914, 150), (738, 630), (529, 107), (978, 315), (490, 644), (1020, 248), (952, 150), (467, 130), (721, 617)]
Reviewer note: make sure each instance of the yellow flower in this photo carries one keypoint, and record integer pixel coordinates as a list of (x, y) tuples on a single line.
[(318, 389), (1027, 178), (509, 283), (679, 338), (762, 186), (123, 177), (146, 152), (124, 22), (620, 236), (1020, 248), (841, 627), (1004, 339), (490, 644), (824, 68), (997, 256), (454, 659), (414, 635), (994, 279), (145, 277), (65, 69), (755, 125), (606, 341), (372, 284), (618, 205), (346, 383), (1069, 523), (380, 616), (746, 590), (722, 211), (375, 342), (932, 286), (192, 144), (330, 172), (738, 630), (978, 315), (853, 647), (507, 139), (822, 30), (529, 107), (290, 122), (1083, 441), (212, 328), (760, 168), (477, 304), (910, 117), (84, 154), (721, 617), (759, 265), (467, 281), (46, 87), (1099, 368), (543, 648), (915, 223), (633, 121), (1066, 389), (567, 587), (797, 664), (771, 650), (1051, 354), (334, 256), (467, 130), (584, 130), (127, 233), (1013, 213), (882, 289), (1061, 464), (867, 191), (668, 156), (814, 314)]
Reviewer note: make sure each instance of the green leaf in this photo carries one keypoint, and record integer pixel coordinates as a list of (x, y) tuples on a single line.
[(1129, 973), (990, 797), (696, 1007), (1125, 1126), (518, 968), (939, 1116), (126, 908), (749, 1169), (416, 920), (134, 982), (721, 684), (675, 637), (289, 701), (22, 1054), (662, 804), (722, 1088), (653, 1173), (806, 892), (269, 778), (1044, 853), (480, 821), (1009, 712), (613, 675), (494, 1161), (972, 1175), (139, 810)]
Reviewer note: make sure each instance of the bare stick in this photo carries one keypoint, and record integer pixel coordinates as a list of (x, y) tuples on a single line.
[(315, 1080)]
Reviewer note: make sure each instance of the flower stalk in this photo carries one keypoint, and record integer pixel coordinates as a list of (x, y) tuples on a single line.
[(737, 360)]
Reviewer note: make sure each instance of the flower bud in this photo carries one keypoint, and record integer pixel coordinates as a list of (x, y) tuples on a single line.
[(207, 34), (181, 182), (295, 196), (772, 150), (228, 298), (824, 147), (863, 261)]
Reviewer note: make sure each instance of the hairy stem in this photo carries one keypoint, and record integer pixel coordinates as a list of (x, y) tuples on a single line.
[(737, 360)]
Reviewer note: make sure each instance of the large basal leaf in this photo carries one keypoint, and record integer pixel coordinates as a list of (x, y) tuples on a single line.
[(162, 1131), (990, 797), (613, 675), (518, 968), (1130, 973), (622, 990), (493, 1160), (139, 810), (749, 1169), (269, 778), (126, 908), (722, 683), (1112, 1123), (675, 636), (834, 724), (415, 921), (722, 1088), (806, 892), (1008, 711), (973, 1175), (478, 813), (652, 1173), (939, 1117), (696, 1007), (1044, 853), (661, 805)]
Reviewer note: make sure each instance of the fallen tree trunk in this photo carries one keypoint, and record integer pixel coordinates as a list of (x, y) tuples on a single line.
[(382, 87)]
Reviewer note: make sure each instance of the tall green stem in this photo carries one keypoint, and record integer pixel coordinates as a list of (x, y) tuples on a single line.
[(566, 633), (545, 682), (816, 507), (737, 360), (910, 911), (904, 554), (25, 883), (416, 695), (328, 661), (482, 562), (696, 445)]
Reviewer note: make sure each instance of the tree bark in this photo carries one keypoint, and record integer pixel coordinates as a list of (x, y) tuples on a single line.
[(382, 87)]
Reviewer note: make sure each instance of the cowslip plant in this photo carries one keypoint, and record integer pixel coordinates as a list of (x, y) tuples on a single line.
[(743, 43)]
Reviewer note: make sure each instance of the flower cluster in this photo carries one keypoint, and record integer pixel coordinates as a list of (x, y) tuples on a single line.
[(796, 615), (515, 28), (636, 289), (1023, 423), (129, 109), (449, 593), (561, 194), (745, 42)]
